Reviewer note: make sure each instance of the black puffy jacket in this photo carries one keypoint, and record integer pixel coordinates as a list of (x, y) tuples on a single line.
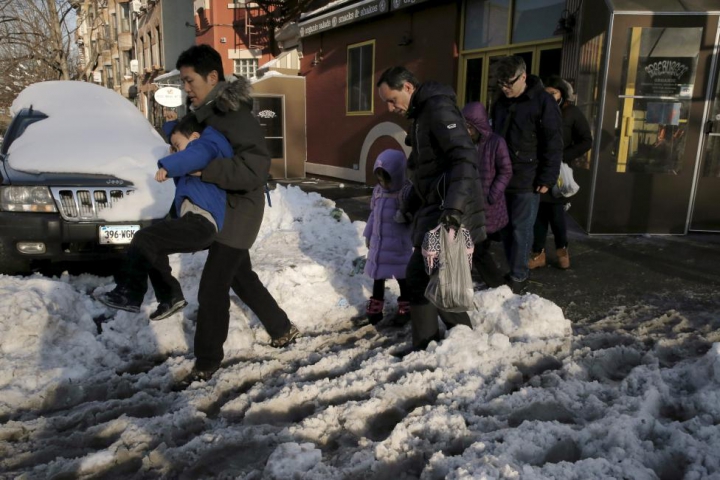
[(228, 109), (442, 165), (533, 136)]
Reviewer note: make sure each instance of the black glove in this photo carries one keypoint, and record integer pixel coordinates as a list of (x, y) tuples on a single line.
[(450, 218)]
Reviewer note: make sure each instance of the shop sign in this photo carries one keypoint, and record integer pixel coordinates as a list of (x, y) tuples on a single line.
[(344, 16), (169, 97), (665, 76)]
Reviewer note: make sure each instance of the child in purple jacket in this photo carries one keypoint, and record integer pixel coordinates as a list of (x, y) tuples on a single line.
[(389, 242), (493, 161)]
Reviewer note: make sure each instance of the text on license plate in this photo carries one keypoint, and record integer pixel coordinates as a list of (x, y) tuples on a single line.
[(117, 234)]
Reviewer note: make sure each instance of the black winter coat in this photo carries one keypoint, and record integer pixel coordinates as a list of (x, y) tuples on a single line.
[(577, 139), (442, 165), (533, 136), (228, 109)]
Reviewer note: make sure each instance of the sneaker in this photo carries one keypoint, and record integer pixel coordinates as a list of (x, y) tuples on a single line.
[(196, 375), (374, 310), (286, 339), (537, 260), (118, 299), (165, 309), (563, 258)]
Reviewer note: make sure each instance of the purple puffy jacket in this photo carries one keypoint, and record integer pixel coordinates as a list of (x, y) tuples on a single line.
[(390, 242), (493, 164)]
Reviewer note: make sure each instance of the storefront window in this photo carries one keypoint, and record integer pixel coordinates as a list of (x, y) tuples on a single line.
[(486, 23), (590, 66), (535, 19), (360, 86), (656, 92)]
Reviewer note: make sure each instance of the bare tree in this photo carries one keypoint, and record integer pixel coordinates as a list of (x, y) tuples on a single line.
[(37, 42), (275, 14)]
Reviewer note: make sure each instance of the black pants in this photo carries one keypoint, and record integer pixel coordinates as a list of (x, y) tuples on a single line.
[(226, 268), (552, 214), (485, 265), (379, 288), (149, 250), (423, 314)]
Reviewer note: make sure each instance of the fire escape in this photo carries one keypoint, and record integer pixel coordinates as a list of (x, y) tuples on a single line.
[(253, 34)]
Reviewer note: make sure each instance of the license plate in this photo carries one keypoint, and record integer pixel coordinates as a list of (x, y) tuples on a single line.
[(117, 234)]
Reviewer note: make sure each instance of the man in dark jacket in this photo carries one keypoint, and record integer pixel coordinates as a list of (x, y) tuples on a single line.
[(446, 185), (227, 107), (529, 120)]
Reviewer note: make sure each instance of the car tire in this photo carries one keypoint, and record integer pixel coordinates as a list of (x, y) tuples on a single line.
[(10, 265)]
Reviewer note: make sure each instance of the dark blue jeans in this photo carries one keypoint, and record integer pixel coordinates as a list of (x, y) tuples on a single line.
[(518, 234)]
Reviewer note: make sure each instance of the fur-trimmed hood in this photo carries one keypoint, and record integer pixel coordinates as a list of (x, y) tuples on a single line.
[(228, 96)]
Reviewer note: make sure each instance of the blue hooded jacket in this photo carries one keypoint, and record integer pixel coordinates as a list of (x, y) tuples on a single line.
[(196, 156)]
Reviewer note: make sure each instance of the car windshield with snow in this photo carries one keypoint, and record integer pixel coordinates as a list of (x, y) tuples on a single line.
[(77, 165)]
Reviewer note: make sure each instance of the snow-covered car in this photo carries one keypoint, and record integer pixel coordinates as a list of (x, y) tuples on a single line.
[(70, 160)]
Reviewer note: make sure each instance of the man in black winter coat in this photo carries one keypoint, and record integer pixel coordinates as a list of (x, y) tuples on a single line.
[(446, 186), (529, 119), (227, 107)]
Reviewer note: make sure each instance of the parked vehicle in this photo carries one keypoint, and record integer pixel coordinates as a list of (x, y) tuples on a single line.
[(56, 209)]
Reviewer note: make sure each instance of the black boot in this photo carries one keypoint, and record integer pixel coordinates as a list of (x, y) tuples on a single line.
[(455, 318), (424, 325)]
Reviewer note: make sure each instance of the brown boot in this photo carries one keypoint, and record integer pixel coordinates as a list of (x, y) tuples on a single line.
[(537, 260), (563, 258)]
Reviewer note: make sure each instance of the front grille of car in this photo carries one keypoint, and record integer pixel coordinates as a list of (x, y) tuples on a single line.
[(77, 204)]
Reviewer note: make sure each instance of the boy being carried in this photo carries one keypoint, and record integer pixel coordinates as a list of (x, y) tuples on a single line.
[(201, 209)]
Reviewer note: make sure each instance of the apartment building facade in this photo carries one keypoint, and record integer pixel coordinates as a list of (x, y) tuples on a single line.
[(105, 43)]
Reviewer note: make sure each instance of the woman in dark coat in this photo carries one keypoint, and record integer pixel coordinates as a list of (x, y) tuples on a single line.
[(577, 141), (495, 171)]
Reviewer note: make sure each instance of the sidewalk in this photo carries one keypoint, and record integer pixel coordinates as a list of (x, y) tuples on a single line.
[(608, 272)]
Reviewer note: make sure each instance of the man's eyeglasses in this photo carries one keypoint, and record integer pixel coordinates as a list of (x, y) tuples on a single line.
[(508, 83)]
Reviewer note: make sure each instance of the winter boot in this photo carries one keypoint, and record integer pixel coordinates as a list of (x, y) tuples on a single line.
[(425, 327), (537, 260), (374, 310), (563, 258), (403, 313)]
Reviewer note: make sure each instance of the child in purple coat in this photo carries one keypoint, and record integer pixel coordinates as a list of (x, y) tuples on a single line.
[(495, 172), (389, 241)]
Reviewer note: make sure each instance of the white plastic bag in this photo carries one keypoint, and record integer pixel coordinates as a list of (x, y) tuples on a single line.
[(566, 185), (451, 287)]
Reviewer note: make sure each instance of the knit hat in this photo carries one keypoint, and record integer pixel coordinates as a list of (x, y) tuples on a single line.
[(563, 86)]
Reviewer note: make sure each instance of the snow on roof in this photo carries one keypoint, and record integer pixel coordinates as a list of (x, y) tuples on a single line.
[(167, 76), (92, 129)]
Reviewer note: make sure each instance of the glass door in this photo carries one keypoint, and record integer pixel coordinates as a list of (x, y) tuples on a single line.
[(657, 79), (706, 211)]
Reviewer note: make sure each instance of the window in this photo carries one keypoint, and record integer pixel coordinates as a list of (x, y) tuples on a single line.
[(535, 20), (124, 17), (360, 74), (246, 67), (486, 23)]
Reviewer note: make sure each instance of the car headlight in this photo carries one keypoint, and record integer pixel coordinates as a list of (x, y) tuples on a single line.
[(26, 199)]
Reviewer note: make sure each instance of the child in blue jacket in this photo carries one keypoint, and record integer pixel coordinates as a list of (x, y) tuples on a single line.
[(200, 207)]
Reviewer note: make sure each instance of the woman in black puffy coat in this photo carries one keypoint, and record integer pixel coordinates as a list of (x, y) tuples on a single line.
[(577, 141)]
